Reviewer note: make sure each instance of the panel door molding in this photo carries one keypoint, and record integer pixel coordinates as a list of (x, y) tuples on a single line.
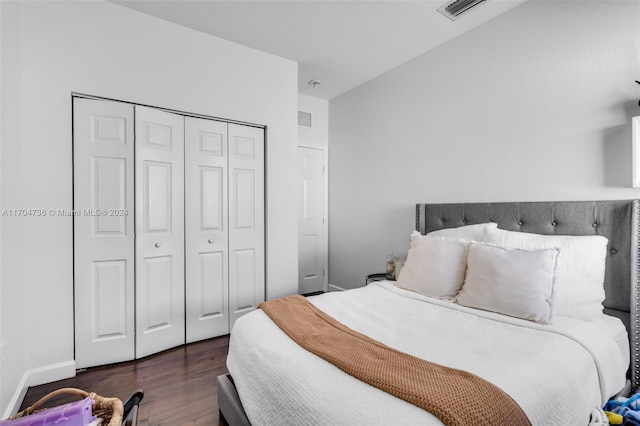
[(159, 252), (179, 254), (246, 220), (103, 243), (206, 227), (312, 224)]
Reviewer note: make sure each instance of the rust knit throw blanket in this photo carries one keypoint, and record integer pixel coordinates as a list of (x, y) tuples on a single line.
[(456, 397)]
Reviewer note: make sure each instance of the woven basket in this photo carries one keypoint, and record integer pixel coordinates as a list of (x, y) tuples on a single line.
[(110, 410)]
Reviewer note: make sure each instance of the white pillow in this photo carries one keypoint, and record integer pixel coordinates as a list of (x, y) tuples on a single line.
[(515, 282), (434, 267), (579, 277), (467, 232)]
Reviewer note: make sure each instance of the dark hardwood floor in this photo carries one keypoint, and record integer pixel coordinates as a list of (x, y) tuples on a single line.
[(179, 384)]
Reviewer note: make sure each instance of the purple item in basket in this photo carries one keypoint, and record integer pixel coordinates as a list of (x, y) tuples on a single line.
[(72, 414)]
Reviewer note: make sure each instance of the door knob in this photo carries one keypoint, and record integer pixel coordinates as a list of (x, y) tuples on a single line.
[(210, 241), (157, 245)]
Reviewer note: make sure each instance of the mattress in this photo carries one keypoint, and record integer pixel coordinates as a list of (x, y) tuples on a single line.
[(611, 326), (557, 374)]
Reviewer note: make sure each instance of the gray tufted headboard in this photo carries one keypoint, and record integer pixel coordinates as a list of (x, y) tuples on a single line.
[(618, 221)]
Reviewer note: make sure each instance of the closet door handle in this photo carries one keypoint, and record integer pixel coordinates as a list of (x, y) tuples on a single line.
[(210, 241), (157, 245)]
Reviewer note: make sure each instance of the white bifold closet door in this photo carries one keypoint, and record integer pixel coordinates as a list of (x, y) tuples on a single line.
[(206, 227), (246, 220), (175, 253), (159, 187), (224, 224), (103, 232)]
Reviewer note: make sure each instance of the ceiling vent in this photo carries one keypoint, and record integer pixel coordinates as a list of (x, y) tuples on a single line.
[(455, 8)]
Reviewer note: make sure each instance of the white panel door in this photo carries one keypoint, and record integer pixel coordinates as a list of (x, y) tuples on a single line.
[(312, 247), (246, 220), (159, 230), (103, 226), (206, 230)]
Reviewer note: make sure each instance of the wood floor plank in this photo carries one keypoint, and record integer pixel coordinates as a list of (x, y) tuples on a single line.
[(179, 384)]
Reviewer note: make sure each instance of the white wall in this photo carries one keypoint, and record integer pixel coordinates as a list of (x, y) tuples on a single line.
[(318, 134), (1, 341), (51, 49), (11, 248), (533, 105)]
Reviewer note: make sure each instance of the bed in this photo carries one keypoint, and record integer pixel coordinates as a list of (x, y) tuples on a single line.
[(556, 373)]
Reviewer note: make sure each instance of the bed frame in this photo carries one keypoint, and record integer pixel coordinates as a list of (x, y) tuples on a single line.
[(618, 221)]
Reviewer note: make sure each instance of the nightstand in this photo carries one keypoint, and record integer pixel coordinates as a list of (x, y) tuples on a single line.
[(375, 277)]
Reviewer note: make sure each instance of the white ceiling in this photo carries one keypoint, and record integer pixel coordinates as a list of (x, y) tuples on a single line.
[(341, 43)]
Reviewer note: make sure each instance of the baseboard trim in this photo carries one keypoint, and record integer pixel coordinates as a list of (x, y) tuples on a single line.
[(18, 397), (38, 376), (335, 288)]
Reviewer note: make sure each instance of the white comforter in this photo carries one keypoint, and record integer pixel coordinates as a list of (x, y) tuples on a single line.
[(558, 374)]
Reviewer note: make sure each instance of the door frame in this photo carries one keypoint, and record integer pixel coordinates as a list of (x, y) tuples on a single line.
[(325, 213), (184, 114)]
